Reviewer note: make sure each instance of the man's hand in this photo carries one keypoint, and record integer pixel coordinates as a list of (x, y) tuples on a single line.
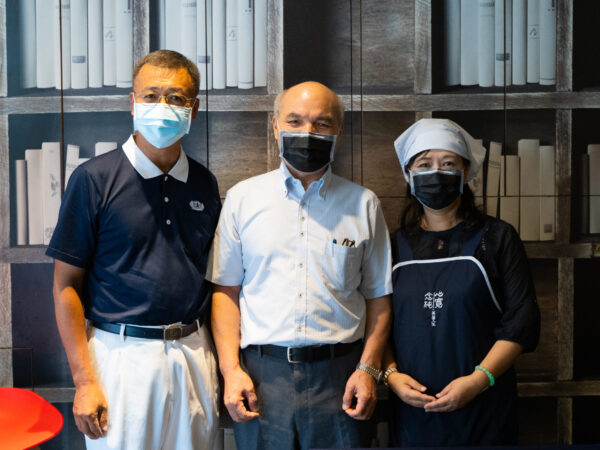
[(90, 411), (239, 387), (409, 390), (360, 386), (458, 393)]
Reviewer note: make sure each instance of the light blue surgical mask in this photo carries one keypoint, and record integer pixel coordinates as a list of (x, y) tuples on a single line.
[(161, 124)]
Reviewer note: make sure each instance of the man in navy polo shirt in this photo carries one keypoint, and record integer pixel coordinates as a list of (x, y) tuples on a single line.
[(130, 252)]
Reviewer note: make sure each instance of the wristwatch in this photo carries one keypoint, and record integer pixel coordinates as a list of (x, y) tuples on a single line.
[(375, 373), (387, 373)]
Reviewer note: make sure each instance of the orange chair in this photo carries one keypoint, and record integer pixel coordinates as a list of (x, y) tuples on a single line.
[(26, 419)]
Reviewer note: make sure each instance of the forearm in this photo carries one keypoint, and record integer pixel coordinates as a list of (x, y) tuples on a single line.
[(70, 320), (225, 321), (377, 330), (501, 357), (388, 359)]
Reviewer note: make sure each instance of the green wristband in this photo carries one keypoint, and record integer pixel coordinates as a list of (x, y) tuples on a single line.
[(488, 373)]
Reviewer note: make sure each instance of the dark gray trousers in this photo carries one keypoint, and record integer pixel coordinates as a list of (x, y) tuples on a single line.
[(300, 405)]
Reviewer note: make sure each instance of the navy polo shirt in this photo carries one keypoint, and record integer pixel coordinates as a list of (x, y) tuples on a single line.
[(142, 236)]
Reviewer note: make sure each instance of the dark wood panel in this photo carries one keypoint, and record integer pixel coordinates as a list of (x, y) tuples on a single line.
[(564, 420), (563, 175), (564, 45), (343, 158), (392, 211), (566, 317), (388, 46), (542, 363), (237, 146), (317, 43), (380, 167)]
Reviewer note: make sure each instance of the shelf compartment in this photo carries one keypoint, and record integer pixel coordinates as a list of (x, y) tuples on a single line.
[(585, 131), (586, 46), (587, 309), (438, 40), (34, 326), (536, 417), (542, 364)]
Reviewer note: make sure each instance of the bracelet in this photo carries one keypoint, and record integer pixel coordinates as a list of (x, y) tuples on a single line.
[(386, 374), (488, 373)]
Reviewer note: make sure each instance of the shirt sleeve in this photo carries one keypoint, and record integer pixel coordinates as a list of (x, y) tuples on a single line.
[(520, 321), (376, 268), (225, 265), (74, 238)]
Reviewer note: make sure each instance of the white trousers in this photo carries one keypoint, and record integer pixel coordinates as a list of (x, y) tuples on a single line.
[(160, 394)]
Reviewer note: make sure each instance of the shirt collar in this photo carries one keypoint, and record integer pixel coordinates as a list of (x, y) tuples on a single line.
[(288, 178), (147, 169)]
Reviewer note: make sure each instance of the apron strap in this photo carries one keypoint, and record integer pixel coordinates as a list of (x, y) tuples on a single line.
[(471, 244)]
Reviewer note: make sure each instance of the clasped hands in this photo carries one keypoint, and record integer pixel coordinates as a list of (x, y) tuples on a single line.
[(455, 395)]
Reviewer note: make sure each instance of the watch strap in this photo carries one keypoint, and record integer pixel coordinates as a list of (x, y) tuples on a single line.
[(375, 373)]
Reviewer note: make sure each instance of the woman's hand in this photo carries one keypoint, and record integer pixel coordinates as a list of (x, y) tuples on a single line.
[(459, 392), (409, 390)]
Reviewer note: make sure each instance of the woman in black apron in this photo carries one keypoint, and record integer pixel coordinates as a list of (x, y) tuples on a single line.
[(464, 305)]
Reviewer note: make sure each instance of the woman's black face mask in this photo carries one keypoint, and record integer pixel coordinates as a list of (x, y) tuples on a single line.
[(436, 189)]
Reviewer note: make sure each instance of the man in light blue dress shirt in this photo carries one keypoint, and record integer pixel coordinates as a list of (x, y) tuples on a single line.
[(302, 267)]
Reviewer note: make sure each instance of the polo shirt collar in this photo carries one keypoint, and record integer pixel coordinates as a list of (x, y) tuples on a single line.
[(287, 179), (147, 169)]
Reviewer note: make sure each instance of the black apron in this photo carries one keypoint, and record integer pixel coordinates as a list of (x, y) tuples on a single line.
[(444, 314)]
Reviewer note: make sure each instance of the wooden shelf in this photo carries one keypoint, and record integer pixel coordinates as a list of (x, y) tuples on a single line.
[(560, 389), (369, 103), (550, 250), (16, 255), (106, 103)]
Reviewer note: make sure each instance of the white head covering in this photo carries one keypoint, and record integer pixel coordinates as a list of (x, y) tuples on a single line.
[(439, 134)]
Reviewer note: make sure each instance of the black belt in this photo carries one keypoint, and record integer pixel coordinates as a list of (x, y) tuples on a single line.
[(170, 333), (306, 354)]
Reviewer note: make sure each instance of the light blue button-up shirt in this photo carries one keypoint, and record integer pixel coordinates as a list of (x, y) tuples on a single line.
[(283, 245)]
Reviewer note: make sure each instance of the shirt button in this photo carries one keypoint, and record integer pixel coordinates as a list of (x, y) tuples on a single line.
[(166, 199), (168, 221), (301, 265), (166, 177), (302, 233), (300, 295), (299, 327), (302, 218)]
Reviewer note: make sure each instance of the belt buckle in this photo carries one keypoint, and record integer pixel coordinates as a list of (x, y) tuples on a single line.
[(289, 356), (172, 332)]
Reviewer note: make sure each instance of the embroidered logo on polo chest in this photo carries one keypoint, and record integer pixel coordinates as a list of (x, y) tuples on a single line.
[(197, 205)]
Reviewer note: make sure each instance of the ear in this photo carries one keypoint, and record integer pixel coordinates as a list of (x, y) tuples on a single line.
[(131, 101), (275, 128), (195, 108)]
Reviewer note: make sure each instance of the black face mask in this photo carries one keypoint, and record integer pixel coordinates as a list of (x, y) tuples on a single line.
[(436, 189), (306, 151)]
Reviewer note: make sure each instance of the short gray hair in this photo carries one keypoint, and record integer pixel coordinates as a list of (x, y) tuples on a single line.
[(170, 59), (339, 112)]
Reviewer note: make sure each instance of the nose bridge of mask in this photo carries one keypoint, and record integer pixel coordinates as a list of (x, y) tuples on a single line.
[(429, 176), (160, 123)]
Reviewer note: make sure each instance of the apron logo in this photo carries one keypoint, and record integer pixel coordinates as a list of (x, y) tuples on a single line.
[(196, 205), (433, 301)]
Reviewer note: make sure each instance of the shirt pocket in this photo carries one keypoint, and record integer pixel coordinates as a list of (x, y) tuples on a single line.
[(341, 266)]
